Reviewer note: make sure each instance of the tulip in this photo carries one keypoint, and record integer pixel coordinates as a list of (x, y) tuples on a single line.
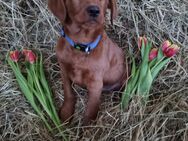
[(166, 44), (35, 88), (171, 50), (140, 40), (30, 56), (153, 54), (143, 75), (14, 55)]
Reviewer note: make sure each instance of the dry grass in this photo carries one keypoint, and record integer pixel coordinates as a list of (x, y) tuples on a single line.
[(28, 23)]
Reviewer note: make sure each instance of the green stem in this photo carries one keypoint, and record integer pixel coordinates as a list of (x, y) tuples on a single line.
[(48, 91), (153, 68), (24, 87)]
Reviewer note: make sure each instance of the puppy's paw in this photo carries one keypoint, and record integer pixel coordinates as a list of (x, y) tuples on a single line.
[(66, 113)]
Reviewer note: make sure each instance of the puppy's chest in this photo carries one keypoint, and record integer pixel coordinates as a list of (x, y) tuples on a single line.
[(82, 70)]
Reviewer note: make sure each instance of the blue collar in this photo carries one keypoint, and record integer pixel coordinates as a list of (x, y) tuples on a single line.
[(85, 47)]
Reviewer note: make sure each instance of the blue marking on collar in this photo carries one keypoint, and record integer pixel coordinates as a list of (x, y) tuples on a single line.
[(85, 47)]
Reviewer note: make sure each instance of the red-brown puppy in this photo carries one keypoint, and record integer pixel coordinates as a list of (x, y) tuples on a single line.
[(86, 55)]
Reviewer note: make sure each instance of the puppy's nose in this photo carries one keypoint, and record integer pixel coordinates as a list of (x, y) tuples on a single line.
[(93, 11)]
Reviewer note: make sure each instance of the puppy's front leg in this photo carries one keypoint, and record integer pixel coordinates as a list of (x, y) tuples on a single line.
[(68, 107), (94, 94)]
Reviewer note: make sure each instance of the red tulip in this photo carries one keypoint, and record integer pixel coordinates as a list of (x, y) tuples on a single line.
[(14, 55), (166, 44), (171, 50), (153, 54), (140, 40), (30, 56)]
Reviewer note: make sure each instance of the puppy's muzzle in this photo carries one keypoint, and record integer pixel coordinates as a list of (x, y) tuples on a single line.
[(93, 11)]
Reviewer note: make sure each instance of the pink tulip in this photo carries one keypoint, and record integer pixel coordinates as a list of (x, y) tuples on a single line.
[(171, 50), (140, 40), (153, 54), (166, 44), (30, 56), (14, 55)]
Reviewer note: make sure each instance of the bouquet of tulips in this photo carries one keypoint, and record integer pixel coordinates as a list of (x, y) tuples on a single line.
[(152, 61), (34, 85)]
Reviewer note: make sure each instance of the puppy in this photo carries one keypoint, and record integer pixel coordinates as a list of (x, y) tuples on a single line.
[(85, 53)]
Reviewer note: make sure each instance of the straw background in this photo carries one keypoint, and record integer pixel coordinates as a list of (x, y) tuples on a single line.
[(29, 24)]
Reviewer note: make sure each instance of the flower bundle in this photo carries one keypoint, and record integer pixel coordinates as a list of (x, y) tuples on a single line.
[(152, 61), (34, 86)]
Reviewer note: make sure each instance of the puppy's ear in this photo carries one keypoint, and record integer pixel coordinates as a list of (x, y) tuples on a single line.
[(113, 7), (58, 9)]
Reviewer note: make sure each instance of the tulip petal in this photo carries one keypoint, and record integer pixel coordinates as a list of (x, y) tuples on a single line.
[(14, 55), (142, 41), (29, 55), (171, 50), (153, 54), (166, 44)]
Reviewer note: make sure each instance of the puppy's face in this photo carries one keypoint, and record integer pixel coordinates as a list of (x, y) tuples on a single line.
[(88, 13), (85, 13)]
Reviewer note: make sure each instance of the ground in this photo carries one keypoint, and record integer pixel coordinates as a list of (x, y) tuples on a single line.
[(29, 24)]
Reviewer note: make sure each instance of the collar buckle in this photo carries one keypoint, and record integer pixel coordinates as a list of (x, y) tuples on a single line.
[(82, 47)]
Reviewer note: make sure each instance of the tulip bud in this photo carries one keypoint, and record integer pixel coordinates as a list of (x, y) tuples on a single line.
[(153, 54), (166, 44), (171, 50), (30, 56), (140, 40), (14, 55)]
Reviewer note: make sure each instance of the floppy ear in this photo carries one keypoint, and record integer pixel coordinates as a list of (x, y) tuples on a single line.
[(58, 9), (113, 7)]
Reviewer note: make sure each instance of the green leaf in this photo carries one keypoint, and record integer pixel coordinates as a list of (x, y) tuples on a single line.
[(43, 81), (157, 63), (144, 66), (152, 63), (142, 73), (143, 47), (133, 70), (160, 54), (146, 83), (144, 63), (147, 51), (134, 79), (145, 87), (145, 58), (130, 88), (126, 96), (47, 90), (158, 67)]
